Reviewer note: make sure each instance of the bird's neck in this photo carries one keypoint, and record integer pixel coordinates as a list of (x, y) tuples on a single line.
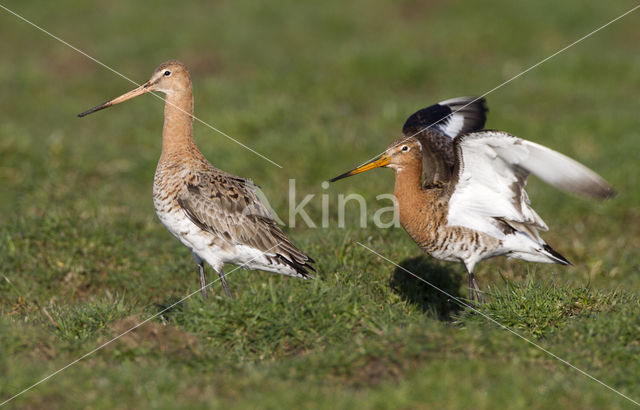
[(177, 132), (408, 182), (409, 192)]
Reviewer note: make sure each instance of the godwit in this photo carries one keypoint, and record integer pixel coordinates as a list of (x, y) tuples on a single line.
[(218, 216), (479, 209)]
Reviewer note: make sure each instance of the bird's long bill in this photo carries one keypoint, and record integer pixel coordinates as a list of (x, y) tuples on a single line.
[(124, 97), (381, 161)]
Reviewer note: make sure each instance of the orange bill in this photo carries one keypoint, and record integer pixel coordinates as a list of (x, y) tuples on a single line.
[(381, 161)]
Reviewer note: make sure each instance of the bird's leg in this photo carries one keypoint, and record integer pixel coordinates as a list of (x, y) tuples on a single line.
[(203, 282), (474, 289), (471, 293), (225, 285)]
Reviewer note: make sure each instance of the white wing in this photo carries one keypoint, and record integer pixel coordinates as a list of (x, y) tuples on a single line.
[(491, 172)]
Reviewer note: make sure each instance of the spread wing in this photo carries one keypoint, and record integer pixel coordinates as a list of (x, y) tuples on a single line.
[(229, 208), (436, 126), (490, 175)]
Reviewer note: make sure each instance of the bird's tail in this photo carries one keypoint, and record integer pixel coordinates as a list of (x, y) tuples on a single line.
[(523, 246), (553, 254)]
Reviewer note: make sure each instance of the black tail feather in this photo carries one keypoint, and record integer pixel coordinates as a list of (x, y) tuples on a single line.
[(560, 259), (301, 268)]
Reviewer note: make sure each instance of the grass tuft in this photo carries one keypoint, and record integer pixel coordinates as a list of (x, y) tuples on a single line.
[(538, 307), (81, 323)]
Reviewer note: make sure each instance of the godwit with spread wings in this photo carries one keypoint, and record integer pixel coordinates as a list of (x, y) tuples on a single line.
[(472, 204), (218, 216)]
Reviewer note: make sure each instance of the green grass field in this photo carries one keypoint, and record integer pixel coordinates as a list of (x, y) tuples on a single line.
[(317, 87)]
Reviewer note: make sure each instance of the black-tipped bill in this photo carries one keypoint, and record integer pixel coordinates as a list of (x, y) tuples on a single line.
[(124, 97), (381, 161)]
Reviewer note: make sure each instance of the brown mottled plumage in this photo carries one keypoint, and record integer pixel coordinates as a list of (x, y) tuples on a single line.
[(480, 209), (218, 216)]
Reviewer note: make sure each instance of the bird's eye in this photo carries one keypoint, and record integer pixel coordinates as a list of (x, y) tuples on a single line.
[(405, 148), (167, 73)]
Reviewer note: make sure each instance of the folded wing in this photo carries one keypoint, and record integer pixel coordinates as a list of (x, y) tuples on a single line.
[(229, 208)]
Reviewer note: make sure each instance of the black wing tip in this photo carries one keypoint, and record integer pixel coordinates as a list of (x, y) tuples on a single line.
[(556, 255), (607, 193), (595, 189), (612, 193)]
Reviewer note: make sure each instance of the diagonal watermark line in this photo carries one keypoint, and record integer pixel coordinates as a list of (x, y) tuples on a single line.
[(520, 74), (133, 82), (133, 328), (462, 303)]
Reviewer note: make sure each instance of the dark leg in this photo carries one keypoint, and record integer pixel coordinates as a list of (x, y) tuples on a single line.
[(203, 282), (474, 289), (225, 285), (471, 293)]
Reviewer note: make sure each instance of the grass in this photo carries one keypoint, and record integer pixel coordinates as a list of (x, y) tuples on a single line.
[(318, 88)]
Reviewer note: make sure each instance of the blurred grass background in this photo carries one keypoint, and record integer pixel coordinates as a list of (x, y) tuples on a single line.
[(318, 87)]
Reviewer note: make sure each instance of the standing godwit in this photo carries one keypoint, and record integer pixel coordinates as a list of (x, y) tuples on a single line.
[(218, 216), (480, 209)]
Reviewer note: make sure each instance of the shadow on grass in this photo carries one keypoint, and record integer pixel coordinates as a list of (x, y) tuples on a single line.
[(165, 310), (416, 291)]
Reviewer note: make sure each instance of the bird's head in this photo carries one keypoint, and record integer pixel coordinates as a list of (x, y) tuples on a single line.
[(170, 77), (403, 152)]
